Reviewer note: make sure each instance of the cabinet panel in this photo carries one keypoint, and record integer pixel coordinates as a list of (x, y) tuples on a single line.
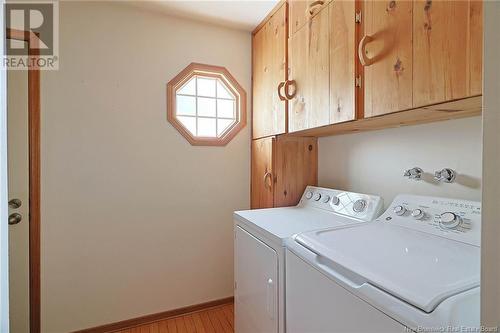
[(301, 11), (262, 173), (476, 47), (441, 51), (296, 167), (389, 74), (269, 65), (342, 65), (309, 67)]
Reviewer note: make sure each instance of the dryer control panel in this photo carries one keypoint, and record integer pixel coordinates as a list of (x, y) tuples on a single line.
[(361, 206), (459, 220)]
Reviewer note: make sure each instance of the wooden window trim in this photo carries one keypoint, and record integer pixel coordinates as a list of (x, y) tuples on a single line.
[(222, 74)]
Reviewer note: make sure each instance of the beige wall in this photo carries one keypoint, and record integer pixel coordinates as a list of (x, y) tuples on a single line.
[(490, 263), (134, 219), (373, 162)]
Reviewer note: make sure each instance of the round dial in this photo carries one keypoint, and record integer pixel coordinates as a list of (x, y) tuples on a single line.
[(417, 214), (317, 196), (309, 195), (335, 201), (359, 205), (450, 220), (399, 210), (326, 198)]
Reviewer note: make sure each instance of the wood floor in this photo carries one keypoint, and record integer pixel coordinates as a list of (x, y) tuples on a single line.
[(218, 319)]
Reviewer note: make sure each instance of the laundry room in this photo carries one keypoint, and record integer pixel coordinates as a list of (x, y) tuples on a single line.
[(249, 166)]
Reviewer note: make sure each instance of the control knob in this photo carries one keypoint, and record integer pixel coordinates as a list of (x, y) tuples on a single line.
[(418, 214), (359, 205), (309, 195), (326, 198), (317, 196), (399, 210), (335, 201), (450, 220)]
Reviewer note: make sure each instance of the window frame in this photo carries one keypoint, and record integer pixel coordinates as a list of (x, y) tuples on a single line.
[(217, 72)]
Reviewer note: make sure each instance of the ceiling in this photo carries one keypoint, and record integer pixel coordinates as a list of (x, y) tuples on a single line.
[(243, 15)]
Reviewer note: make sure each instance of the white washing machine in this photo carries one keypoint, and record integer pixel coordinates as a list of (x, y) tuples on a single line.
[(260, 250), (417, 266)]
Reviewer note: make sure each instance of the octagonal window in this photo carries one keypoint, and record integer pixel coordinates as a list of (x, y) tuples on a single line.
[(206, 105)]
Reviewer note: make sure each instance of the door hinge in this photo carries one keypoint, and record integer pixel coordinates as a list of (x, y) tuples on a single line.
[(357, 17), (358, 81)]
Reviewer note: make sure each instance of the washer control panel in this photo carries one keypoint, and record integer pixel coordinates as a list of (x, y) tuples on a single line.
[(450, 218), (365, 207)]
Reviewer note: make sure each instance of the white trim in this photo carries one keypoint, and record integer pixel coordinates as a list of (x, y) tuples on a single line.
[(490, 241), (4, 227)]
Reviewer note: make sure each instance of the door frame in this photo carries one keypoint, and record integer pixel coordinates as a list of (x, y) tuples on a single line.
[(34, 175)]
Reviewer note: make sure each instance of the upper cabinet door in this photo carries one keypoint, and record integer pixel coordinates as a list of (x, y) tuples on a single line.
[(309, 59), (342, 61), (387, 51), (476, 47), (269, 70), (303, 10), (447, 40)]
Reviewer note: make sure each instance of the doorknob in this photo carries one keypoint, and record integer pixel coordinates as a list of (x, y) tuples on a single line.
[(15, 218), (15, 203)]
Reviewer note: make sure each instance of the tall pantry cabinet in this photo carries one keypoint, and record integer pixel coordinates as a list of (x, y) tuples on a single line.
[(282, 166)]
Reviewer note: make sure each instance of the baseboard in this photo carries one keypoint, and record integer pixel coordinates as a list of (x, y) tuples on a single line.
[(129, 323)]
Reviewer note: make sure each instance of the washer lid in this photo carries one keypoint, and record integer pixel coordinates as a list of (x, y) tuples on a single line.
[(418, 268)]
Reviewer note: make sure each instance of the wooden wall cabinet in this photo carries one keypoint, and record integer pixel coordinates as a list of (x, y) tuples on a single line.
[(342, 34), (302, 11), (282, 167), (388, 68), (269, 70), (447, 56), (309, 68), (418, 53), (322, 64)]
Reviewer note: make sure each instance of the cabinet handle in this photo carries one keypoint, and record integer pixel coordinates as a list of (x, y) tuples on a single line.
[(312, 6), (266, 183), (280, 86), (365, 61), (289, 83)]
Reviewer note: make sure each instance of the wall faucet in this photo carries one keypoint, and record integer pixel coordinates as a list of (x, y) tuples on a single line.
[(446, 175), (414, 173)]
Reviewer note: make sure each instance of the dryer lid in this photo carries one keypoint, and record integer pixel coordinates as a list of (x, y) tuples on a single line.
[(419, 268)]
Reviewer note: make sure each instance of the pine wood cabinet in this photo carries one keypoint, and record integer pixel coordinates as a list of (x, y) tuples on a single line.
[(446, 38), (388, 52), (309, 69), (269, 70), (303, 10), (322, 65), (282, 167), (418, 53), (342, 34)]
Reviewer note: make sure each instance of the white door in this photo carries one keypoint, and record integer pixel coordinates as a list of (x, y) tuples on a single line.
[(256, 285), (18, 180)]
